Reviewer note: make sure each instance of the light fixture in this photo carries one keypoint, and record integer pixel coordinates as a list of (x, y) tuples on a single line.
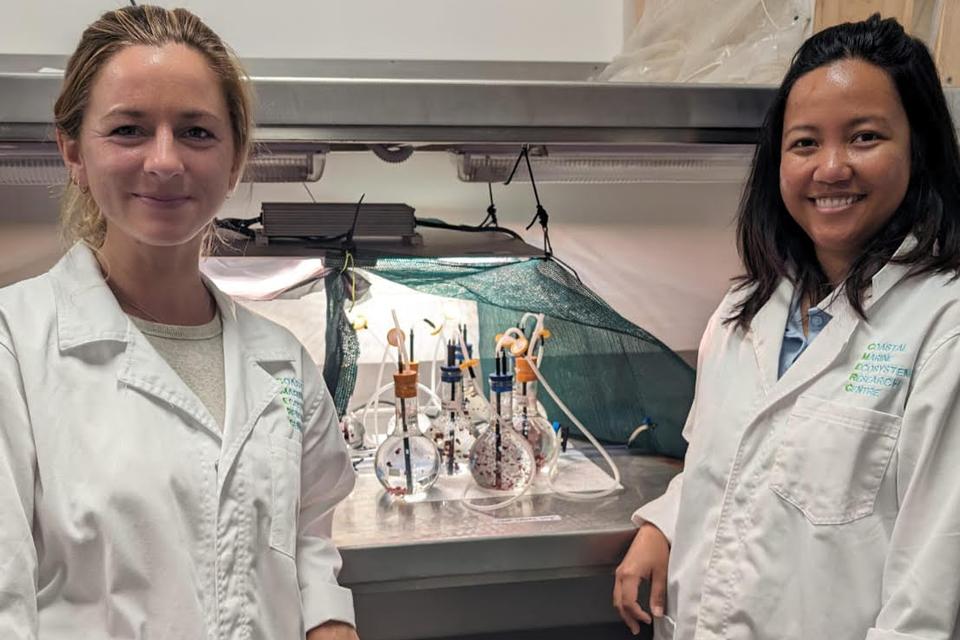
[(39, 163), (27, 164), (609, 164), (285, 167), (335, 219)]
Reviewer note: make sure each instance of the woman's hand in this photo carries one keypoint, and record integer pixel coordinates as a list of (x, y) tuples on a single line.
[(333, 630), (645, 560)]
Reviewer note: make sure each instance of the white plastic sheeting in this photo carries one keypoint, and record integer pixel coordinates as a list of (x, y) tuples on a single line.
[(261, 278), (736, 41)]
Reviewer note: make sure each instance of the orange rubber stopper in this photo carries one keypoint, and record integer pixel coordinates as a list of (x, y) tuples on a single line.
[(523, 370), (405, 384)]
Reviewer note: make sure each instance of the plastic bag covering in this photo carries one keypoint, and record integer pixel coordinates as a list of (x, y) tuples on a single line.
[(927, 15), (612, 374), (719, 41)]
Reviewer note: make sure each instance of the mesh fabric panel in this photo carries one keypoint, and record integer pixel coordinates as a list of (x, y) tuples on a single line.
[(611, 373)]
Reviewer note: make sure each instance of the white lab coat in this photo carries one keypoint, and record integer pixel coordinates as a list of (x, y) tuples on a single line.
[(825, 504), (125, 512)]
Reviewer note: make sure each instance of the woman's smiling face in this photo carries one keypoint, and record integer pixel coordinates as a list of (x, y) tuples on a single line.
[(156, 147), (845, 158)]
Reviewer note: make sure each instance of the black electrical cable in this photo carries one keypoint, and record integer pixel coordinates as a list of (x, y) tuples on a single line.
[(516, 165), (348, 238), (491, 219), (541, 215), (242, 222), (533, 183), (437, 224), (243, 229), (238, 225)]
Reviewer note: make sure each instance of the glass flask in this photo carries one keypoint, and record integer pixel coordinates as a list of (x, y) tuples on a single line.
[(451, 431), (528, 420), (422, 421), (501, 458), (407, 463), (474, 407), (353, 430)]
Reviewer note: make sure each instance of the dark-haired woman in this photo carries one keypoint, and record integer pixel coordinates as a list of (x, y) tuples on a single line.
[(821, 494)]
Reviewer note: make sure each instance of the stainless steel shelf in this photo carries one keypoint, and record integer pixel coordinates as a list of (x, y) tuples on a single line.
[(345, 101)]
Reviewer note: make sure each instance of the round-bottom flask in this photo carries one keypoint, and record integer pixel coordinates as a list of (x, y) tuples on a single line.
[(500, 458), (528, 421), (474, 406), (421, 421), (451, 432), (353, 430), (407, 463)]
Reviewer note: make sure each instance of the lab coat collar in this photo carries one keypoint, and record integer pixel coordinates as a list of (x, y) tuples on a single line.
[(87, 311), (890, 274), (768, 327)]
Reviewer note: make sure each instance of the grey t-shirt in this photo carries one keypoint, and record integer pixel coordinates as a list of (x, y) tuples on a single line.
[(196, 355)]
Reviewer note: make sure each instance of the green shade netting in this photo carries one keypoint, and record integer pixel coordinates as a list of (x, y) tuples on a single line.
[(612, 374)]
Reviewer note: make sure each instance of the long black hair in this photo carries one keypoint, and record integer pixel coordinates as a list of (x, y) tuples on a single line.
[(773, 246)]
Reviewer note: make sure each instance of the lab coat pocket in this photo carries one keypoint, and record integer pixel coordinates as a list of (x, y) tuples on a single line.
[(285, 456), (832, 459)]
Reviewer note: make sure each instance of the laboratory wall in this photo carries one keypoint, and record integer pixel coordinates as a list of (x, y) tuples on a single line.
[(549, 30)]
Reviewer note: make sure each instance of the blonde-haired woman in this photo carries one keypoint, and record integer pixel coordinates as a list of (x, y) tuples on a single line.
[(169, 462)]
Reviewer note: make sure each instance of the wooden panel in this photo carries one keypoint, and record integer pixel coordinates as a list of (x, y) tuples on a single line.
[(948, 44), (830, 12)]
